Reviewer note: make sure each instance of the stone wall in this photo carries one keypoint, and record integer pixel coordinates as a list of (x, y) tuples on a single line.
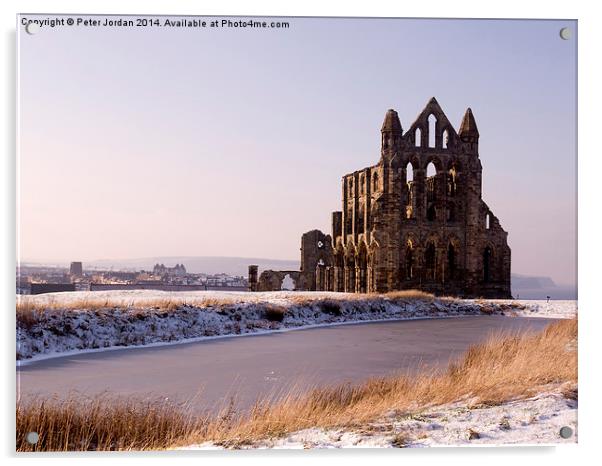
[(276, 280), (416, 219)]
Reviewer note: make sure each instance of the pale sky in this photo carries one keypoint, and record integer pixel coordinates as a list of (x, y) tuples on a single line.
[(143, 142)]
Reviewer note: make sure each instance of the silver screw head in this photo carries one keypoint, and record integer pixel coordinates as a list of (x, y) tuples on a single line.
[(32, 28), (32, 438), (565, 33)]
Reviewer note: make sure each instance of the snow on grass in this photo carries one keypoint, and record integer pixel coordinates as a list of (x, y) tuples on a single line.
[(57, 324), (532, 421), (562, 309)]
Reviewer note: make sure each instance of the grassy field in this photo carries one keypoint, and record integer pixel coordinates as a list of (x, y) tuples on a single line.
[(504, 367)]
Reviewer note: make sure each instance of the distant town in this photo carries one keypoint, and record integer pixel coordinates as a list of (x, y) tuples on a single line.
[(34, 279)]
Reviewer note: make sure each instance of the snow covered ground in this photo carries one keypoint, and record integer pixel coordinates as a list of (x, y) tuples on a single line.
[(532, 421), (74, 322)]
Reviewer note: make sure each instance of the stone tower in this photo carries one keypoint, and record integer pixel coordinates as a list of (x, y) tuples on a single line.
[(415, 220), (252, 280)]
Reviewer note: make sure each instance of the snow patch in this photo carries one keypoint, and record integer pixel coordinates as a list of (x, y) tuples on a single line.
[(532, 421), (66, 325)]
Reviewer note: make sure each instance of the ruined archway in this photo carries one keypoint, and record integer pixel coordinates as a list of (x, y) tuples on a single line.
[(287, 284)]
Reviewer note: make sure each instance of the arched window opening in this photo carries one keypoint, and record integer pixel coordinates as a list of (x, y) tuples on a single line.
[(362, 181), (451, 261), (431, 193), (487, 264), (487, 220), (409, 172), (410, 192), (375, 182), (431, 213), (429, 261), (287, 283), (431, 170), (350, 188), (444, 139), (432, 126), (418, 138), (409, 260), (452, 187)]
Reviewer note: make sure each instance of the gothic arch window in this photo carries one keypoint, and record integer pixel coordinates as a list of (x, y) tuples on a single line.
[(444, 139), (431, 133), (362, 184), (410, 192), (431, 192), (409, 172), (418, 137), (487, 264), (430, 260), (375, 182), (350, 188), (452, 178)]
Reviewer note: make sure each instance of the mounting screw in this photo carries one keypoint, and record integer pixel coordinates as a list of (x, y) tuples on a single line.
[(565, 33), (566, 432), (32, 28), (32, 438)]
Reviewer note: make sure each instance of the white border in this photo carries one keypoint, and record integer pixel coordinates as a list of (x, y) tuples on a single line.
[(589, 195)]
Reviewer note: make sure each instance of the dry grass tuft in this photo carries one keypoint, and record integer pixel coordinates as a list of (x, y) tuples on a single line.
[(100, 424), (29, 309), (410, 295), (505, 367)]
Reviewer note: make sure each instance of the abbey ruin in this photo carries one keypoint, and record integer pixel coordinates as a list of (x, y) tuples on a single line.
[(415, 220)]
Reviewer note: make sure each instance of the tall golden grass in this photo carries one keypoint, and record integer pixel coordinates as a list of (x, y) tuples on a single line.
[(504, 367)]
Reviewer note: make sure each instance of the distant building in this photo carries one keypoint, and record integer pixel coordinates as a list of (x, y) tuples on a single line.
[(76, 269), (177, 271)]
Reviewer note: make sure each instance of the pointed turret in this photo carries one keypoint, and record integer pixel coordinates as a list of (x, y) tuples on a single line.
[(468, 129), (391, 133), (391, 123)]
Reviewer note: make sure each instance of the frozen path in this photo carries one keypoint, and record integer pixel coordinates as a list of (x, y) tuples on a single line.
[(208, 373)]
